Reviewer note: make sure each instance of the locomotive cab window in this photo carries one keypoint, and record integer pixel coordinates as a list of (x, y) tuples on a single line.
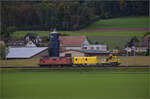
[(85, 59), (76, 59)]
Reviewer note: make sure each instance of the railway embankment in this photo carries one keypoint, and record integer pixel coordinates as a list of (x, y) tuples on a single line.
[(130, 62)]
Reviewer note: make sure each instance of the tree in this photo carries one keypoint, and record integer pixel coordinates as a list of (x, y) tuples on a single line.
[(96, 42), (132, 41), (2, 51), (7, 32)]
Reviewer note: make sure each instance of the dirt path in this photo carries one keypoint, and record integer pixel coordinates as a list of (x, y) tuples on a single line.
[(117, 29)]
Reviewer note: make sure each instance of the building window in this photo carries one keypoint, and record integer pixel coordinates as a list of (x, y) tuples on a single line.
[(85, 59), (92, 48), (76, 59), (97, 48), (84, 47)]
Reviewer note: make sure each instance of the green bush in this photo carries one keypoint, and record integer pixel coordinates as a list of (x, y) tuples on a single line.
[(2, 51)]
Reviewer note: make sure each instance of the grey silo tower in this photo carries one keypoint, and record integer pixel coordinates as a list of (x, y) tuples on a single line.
[(54, 44)]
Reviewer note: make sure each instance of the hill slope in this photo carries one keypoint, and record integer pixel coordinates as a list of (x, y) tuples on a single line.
[(113, 32), (129, 22)]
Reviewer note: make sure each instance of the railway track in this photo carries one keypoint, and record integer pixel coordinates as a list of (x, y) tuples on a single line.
[(67, 67)]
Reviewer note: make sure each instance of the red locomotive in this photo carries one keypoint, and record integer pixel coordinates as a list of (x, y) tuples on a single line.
[(56, 61)]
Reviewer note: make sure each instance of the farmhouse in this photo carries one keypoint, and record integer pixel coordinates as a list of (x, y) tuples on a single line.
[(143, 46), (35, 38), (30, 44), (79, 43), (73, 42)]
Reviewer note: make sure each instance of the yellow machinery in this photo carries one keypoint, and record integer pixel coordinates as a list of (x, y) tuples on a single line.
[(85, 60), (111, 60)]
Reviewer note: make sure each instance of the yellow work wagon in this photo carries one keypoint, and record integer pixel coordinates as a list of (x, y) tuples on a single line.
[(85, 60)]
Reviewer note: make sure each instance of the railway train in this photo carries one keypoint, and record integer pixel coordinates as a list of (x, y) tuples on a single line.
[(80, 61), (54, 60)]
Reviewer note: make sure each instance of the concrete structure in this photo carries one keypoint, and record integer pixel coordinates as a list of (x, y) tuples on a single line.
[(97, 47), (72, 53), (54, 44)]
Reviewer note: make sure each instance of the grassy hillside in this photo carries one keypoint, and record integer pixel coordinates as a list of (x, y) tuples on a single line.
[(21, 34), (129, 22), (111, 38)]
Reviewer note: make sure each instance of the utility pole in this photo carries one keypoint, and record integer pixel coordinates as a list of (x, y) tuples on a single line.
[(127, 56), (6, 53), (134, 54)]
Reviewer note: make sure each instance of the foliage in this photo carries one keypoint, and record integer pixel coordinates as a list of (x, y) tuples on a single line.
[(7, 32), (2, 51), (132, 41), (66, 15), (96, 42)]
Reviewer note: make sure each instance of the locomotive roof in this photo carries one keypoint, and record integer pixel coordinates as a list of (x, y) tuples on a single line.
[(24, 52)]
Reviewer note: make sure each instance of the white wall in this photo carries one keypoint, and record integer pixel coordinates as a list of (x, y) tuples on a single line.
[(85, 42), (141, 49), (73, 48), (73, 53), (30, 44), (97, 47)]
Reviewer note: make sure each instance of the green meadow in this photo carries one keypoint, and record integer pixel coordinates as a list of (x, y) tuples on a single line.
[(21, 34), (112, 39), (126, 22), (75, 84)]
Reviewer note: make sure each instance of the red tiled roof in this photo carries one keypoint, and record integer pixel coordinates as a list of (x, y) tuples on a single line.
[(141, 44), (147, 37), (2, 42), (72, 41)]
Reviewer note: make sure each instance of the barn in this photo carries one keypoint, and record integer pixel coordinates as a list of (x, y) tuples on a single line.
[(27, 52)]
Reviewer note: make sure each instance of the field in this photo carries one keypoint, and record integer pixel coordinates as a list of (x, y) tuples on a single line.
[(75, 84), (111, 39), (107, 32), (127, 22), (132, 61)]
